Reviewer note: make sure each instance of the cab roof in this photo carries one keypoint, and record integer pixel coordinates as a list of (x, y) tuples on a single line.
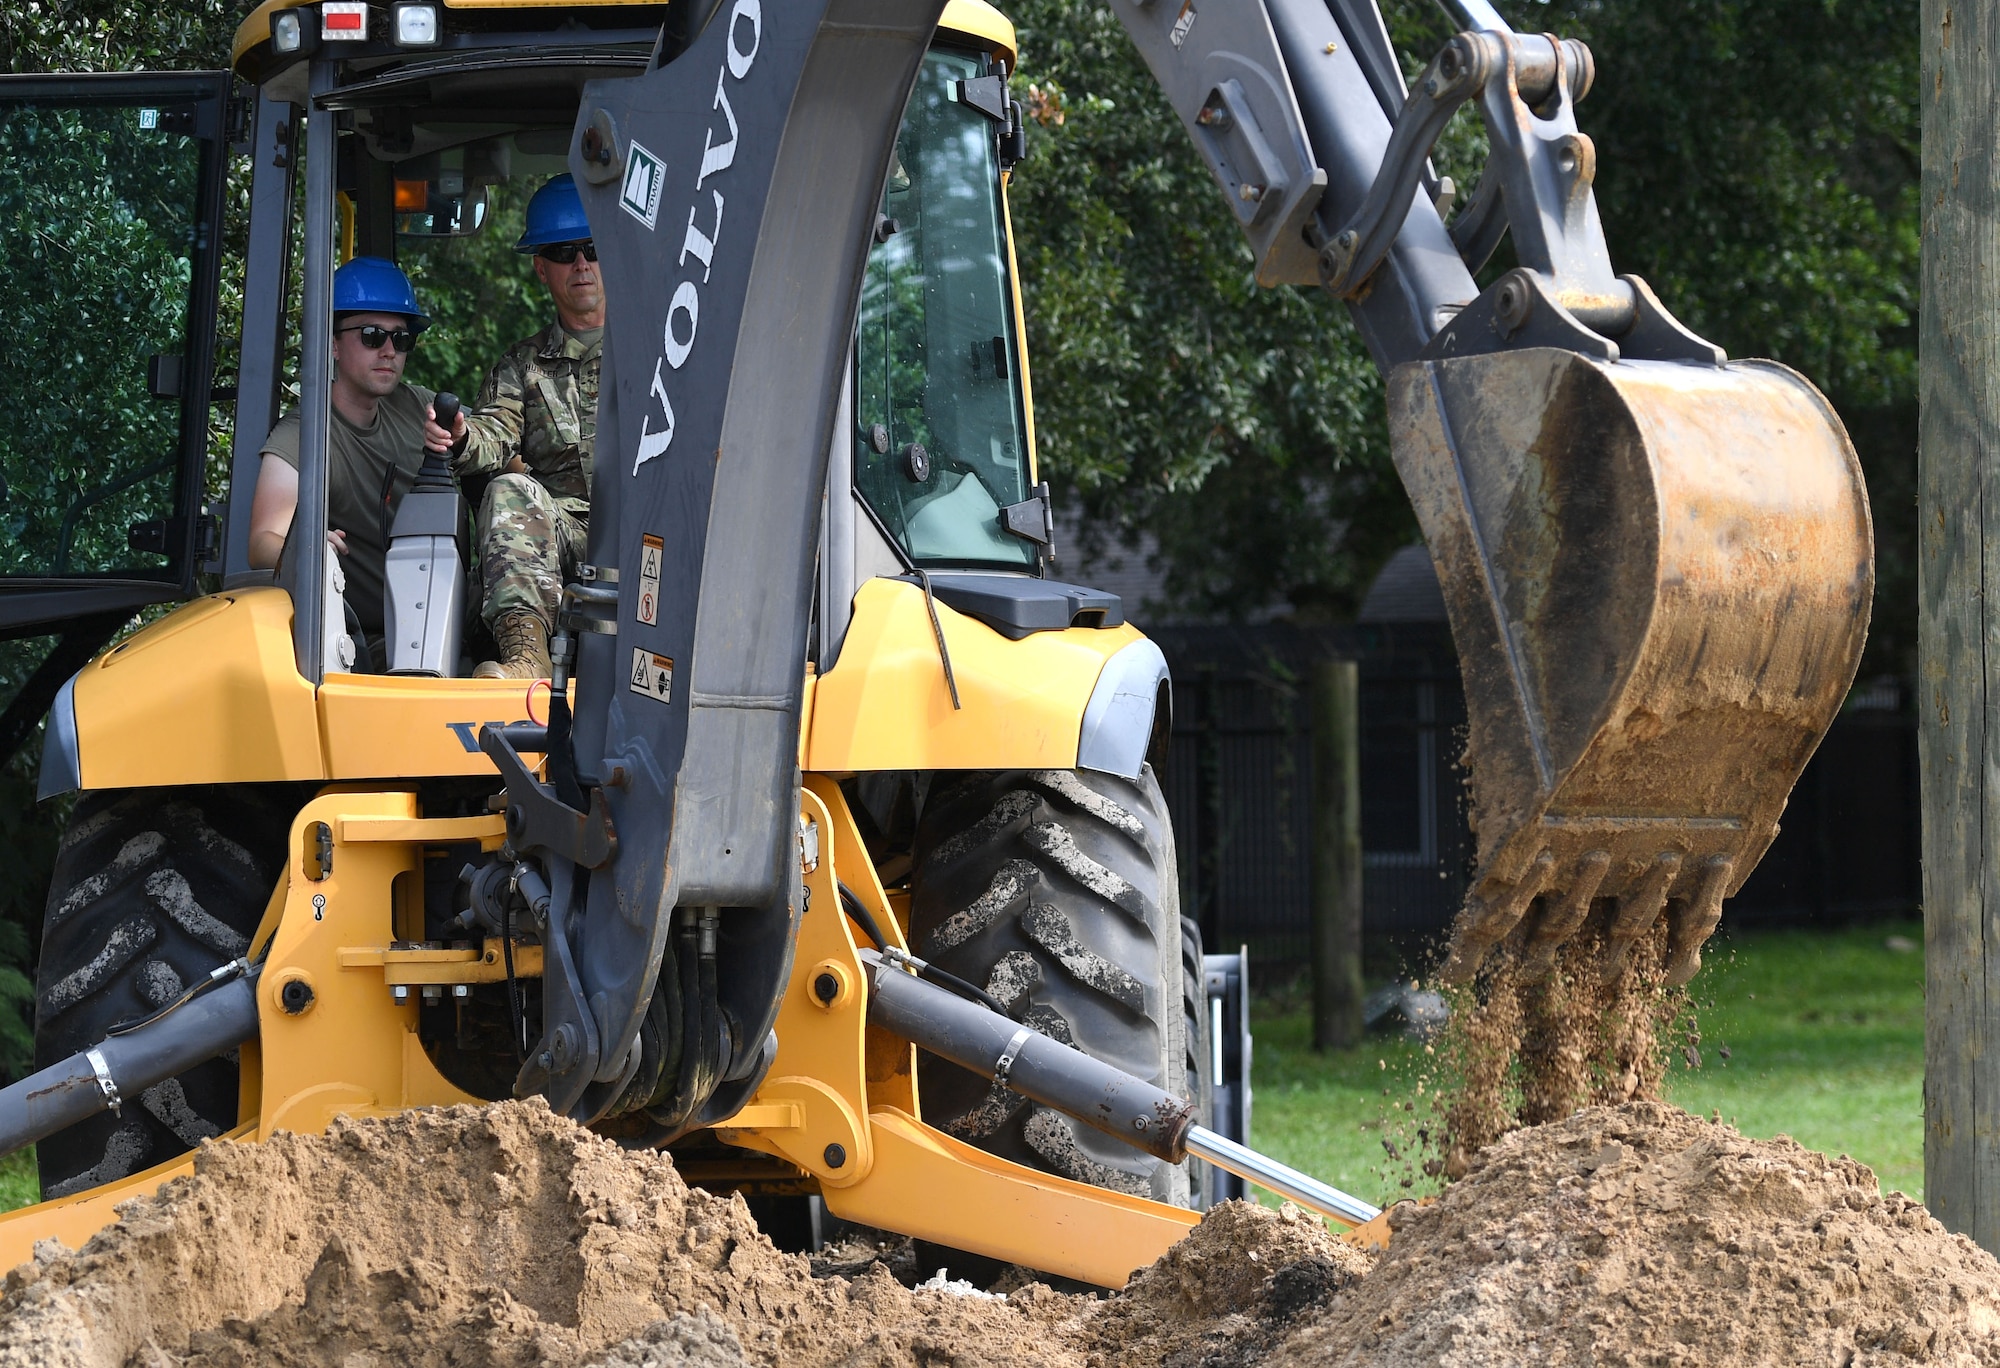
[(251, 56)]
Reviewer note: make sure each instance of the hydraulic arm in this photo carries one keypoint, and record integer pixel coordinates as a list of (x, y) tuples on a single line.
[(1658, 564)]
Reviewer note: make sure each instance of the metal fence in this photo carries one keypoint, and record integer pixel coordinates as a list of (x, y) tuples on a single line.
[(1239, 784)]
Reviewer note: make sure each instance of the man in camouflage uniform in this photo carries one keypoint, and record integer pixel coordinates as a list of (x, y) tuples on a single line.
[(533, 431)]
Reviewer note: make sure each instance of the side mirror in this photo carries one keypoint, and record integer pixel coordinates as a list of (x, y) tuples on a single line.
[(442, 207)]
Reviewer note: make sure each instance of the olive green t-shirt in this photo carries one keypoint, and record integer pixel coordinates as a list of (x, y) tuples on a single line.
[(368, 472)]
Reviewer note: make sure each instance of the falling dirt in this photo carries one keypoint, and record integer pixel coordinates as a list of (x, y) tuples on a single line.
[(506, 1236), (1526, 1049)]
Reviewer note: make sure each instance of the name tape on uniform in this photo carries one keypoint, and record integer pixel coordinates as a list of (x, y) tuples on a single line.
[(652, 675), (651, 551)]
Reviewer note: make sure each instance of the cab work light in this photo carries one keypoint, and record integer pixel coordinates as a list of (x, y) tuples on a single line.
[(416, 24), (291, 33), (343, 21)]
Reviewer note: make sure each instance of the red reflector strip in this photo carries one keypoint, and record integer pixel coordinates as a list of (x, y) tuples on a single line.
[(337, 20)]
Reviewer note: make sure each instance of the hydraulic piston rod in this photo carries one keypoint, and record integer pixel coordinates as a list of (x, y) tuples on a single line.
[(118, 1068), (1093, 1092)]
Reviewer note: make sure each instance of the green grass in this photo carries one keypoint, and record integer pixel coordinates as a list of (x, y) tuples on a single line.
[(18, 1185), (1825, 1033)]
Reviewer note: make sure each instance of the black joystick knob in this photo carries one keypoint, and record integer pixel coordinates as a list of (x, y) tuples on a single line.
[(435, 473)]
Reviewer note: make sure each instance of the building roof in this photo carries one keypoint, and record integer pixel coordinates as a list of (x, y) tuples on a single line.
[(1406, 590)]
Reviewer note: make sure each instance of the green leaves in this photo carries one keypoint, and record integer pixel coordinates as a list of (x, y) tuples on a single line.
[(1758, 165), (100, 212), (79, 316), (117, 35), (1166, 382), (481, 294)]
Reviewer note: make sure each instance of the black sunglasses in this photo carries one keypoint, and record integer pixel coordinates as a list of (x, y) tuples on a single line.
[(373, 335), (564, 253)]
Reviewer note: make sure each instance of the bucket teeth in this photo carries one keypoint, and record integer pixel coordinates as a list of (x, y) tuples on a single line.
[(1637, 911), (1693, 922), (1561, 919), (1485, 922)]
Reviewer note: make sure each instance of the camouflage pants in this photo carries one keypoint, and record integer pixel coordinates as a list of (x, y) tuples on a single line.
[(529, 545)]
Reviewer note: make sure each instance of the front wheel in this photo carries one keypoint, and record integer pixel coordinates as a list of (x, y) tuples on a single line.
[(153, 888), (1056, 891)]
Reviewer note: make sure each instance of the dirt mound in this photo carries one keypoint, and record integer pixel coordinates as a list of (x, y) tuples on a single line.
[(506, 1236), (473, 1236), (1639, 1234), (1225, 1295)]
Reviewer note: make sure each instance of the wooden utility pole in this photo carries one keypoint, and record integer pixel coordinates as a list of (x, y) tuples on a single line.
[(1958, 684), (1336, 854)]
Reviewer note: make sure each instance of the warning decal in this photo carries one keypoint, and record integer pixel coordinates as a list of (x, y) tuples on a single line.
[(651, 550), (652, 675)]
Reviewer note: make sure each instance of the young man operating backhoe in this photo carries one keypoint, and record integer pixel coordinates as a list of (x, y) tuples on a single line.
[(533, 433), (378, 437)]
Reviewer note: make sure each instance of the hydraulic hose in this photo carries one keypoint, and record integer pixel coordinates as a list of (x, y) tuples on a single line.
[(1093, 1092), (862, 917), (116, 1070)]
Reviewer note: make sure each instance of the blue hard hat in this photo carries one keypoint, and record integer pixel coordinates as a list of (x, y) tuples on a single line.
[(370, 284), (555, 214)]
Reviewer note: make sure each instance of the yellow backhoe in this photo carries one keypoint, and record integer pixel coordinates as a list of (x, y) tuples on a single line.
[(832, 859)]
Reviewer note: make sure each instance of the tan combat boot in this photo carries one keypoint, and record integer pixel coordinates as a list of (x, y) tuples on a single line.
[(524, 648)]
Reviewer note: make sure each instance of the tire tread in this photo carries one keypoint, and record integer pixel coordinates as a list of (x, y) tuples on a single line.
[(1059, 887), (152, 889)]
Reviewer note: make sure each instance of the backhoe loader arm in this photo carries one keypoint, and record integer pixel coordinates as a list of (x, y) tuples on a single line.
[(1658, 565), (732, 192), (1299, 109)]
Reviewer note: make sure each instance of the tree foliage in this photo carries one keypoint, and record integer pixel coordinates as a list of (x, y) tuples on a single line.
[(481, 294), (1167, 384), (117, 35), (100, 214), (107, 223)]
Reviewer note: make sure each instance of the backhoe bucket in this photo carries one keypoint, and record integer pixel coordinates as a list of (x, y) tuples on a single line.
[(1658, 576)]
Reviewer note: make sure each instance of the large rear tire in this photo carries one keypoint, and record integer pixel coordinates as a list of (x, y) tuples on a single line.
[(152, 889), (1059, 887)]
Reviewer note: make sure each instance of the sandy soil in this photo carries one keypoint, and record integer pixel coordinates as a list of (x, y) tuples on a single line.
[(471, 1237), (506, 1236), (1641, 1235)]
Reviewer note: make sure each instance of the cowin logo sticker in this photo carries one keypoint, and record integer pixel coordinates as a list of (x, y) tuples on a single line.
[(718, 154), (640, 195)]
